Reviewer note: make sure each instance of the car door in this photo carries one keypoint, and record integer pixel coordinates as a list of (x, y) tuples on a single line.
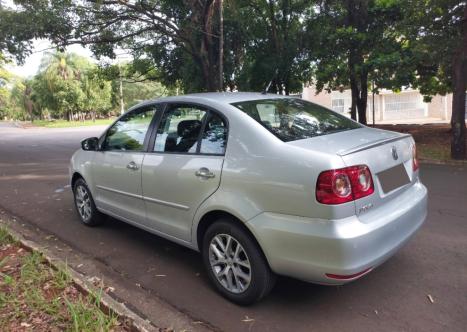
[(117, 166), (183, 167)]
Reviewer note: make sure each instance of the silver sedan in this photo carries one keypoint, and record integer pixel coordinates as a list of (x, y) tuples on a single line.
[(261, 185)]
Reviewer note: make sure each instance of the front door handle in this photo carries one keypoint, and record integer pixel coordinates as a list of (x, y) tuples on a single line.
[(205, 173), (132, 165)]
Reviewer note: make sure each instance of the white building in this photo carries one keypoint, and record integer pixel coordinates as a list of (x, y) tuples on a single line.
[(389, 107)]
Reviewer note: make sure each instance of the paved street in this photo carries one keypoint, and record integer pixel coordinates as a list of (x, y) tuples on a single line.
[(33, 186)]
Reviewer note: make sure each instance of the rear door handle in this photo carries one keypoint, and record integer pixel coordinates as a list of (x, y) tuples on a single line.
[(205, 173), (132, 165)]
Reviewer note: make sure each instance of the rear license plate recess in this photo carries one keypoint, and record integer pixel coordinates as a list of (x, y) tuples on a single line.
[(393, 178)]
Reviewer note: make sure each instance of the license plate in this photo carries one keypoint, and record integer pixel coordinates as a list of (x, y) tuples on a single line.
[(393, 178)]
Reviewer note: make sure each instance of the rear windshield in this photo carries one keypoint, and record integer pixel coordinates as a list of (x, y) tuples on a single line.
[(291, 119)]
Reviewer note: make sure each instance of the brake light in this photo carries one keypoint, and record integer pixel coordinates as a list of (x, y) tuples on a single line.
[(343, 185), (415, 164)]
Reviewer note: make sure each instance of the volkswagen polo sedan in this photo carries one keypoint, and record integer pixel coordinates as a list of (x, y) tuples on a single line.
[(262, 185)]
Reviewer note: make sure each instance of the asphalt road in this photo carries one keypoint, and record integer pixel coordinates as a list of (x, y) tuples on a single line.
[(33, 186)]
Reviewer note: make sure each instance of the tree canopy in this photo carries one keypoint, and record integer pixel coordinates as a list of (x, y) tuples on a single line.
[(214, 45)]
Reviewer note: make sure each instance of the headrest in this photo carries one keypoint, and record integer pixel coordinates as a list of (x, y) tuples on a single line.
[(187, 128)]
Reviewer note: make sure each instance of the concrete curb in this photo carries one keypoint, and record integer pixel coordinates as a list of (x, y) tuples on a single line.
[(443, 162), (136, 322)]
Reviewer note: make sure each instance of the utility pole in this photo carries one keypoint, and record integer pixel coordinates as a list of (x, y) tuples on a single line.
[(122, 107), (373, 92), (221, 45)]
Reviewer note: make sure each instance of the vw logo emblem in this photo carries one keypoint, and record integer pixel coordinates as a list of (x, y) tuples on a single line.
[(395, 156)]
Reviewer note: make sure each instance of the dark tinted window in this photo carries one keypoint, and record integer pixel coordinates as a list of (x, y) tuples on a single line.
[(292, 119), (214, 136), (180, 129), (128, 133)]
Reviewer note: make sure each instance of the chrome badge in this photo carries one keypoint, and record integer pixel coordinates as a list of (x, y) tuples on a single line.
[(395, 156), (365, 208)]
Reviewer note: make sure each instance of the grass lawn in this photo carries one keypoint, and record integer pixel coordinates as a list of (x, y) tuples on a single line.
[(433, 140), (36, 297), (65, 123)]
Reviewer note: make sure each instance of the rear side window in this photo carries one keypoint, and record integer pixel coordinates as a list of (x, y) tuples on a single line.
[(291, 119), (214, 138), (180, 129)]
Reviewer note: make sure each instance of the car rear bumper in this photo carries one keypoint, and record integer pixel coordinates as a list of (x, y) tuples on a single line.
[(312, 249)]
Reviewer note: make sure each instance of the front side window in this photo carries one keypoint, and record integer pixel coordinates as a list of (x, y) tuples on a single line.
[(291, 119), (179, 129), (128, 133)]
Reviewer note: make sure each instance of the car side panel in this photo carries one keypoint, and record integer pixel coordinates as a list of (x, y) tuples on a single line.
[(172, 192), (262, 174)]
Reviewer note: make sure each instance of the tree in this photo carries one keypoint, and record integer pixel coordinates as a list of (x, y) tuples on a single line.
[(180, 38), (30, 20), (353, 42), (62, 75), (268, 47), (437, 30), (5, 77), (97, 94)]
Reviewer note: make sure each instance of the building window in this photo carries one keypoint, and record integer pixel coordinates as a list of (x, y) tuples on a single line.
[(404, 105), (338, 105)]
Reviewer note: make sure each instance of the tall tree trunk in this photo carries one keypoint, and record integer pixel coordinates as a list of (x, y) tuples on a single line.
[(357, 15), (362, 97), (221, 45), (458, 143), (205, 54), (353, 105)]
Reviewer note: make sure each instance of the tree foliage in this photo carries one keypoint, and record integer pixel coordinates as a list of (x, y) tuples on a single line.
[(437, 31), (355, 42), (334, 44)]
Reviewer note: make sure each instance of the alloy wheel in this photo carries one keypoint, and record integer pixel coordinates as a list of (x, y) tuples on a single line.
[(83, 202), (230, 263)]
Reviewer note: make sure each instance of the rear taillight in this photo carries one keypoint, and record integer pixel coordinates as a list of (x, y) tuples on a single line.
[(343, 185), (414, 158)]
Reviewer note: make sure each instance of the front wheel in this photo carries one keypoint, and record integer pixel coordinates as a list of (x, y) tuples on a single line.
[(235, 263), (84, 204)]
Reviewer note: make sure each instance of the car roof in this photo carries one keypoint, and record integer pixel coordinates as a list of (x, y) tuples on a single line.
[(233, 97), (220, 97), (217, 97)]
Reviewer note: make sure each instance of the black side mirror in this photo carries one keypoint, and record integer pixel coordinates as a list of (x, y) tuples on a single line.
[(90, 144)]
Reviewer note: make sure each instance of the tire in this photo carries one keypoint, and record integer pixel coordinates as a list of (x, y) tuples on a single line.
[(84, 204), (240, 290)]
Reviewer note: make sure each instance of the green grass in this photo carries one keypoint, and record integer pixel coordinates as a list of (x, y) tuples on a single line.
[(434, 151), (35, 291), (5, 237), (66, 124)]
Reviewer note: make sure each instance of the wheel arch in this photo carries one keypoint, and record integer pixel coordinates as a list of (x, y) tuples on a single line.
[(212, 216), (75, 177)]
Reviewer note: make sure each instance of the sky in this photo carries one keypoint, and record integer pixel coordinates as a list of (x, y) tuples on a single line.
[(41, 46)]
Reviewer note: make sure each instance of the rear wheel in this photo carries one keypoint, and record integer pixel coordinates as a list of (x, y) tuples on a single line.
[(84, 204), (235, 263)]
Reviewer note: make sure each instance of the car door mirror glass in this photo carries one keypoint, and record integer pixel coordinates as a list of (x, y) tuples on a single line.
[(90, 144)]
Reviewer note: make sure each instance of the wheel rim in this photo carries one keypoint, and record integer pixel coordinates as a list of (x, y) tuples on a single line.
[(83, 202), (230, 263)]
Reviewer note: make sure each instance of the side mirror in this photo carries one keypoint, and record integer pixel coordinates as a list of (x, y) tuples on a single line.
[(90, 144)]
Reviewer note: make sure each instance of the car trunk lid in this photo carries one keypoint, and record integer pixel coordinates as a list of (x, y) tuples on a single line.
[(387, 154)]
